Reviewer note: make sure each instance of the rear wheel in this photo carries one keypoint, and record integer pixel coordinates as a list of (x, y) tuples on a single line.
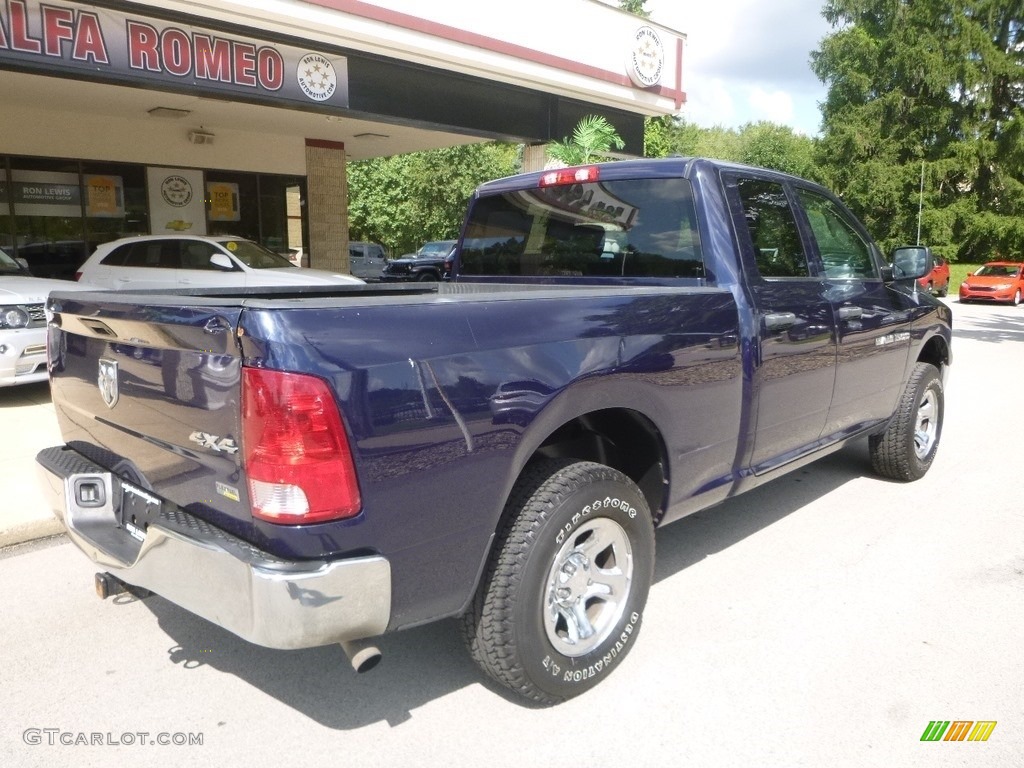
[(561, 601), (906, 449)]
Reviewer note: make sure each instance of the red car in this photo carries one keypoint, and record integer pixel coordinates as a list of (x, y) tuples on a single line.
[(937, 281), (996, 281)]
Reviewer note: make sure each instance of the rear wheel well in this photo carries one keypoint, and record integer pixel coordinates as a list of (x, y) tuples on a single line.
[(620, 438)]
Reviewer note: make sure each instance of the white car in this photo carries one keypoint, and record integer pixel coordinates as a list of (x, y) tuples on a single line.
[(190, 261), (23, 322)]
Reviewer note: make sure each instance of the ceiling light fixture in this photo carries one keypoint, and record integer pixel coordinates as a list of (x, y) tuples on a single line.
[(169, 112)]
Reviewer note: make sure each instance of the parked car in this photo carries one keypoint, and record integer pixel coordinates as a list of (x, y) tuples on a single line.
[(23, 322), (366, 260), (182, 261), (57, 259), (996, 281), (430, 263), (937, 281)]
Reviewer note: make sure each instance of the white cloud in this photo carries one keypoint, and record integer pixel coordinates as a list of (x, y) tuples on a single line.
[(748, 60)]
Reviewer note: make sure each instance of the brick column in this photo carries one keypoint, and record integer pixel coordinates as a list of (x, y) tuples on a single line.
[(535, 157), (327, 205)]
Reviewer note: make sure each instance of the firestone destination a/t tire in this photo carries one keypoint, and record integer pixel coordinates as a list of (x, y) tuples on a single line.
[(907, 448), (561, 601)]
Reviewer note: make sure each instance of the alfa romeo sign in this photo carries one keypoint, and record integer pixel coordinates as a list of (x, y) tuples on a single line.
[(105, 44)]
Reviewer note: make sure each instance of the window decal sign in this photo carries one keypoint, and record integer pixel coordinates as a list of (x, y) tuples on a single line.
[(45, 193), (176, 201), (222, 201), (60, 38), (104, 196)]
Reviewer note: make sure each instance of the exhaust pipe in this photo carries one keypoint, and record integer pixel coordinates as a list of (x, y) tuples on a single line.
[(362, 655)]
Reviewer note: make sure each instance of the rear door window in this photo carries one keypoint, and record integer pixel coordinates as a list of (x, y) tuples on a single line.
[(774, 234)]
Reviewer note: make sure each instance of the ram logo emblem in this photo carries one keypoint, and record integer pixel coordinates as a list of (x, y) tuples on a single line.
[(107, 382)]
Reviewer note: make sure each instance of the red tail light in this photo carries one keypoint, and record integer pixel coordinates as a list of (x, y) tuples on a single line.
[(295, 451), (78, 276)]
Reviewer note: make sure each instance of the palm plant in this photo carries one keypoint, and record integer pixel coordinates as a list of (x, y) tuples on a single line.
[(591, 141)]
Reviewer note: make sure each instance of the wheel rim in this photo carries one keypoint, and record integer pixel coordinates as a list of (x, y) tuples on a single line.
[(587, 587), (1016, 298), (926, 427)]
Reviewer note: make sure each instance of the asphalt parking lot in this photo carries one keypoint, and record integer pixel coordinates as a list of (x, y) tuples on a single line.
[(823, 620)]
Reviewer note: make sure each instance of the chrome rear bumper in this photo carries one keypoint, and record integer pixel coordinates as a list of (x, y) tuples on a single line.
[(269, 601)]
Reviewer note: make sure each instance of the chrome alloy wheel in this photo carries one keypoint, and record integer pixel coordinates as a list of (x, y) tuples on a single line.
[(587, 587), (926, 427)]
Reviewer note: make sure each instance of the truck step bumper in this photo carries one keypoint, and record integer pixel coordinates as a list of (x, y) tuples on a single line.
[(266, 600)]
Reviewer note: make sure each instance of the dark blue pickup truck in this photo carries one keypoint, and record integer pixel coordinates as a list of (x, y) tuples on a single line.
[(619, 346)]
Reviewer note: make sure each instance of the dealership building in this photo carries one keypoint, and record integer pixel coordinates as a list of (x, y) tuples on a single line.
[(221, 117)]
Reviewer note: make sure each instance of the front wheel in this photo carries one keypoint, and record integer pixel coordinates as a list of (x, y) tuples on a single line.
[(906, 449), (561, 601), (1016, 298)]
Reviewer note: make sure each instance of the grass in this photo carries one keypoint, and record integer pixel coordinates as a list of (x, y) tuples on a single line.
[(957, 273)]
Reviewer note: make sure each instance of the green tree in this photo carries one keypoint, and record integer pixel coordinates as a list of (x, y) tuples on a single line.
[(937, 84), (592, 140), (405, 200), (763, 143), (635, 7)]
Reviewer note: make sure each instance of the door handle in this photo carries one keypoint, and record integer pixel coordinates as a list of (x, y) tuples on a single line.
[(850, 313), (779, 321)]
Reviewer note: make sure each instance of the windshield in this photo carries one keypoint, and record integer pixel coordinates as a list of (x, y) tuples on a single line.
[(9, 266), (256, 256), (436, 248), (998, 270)]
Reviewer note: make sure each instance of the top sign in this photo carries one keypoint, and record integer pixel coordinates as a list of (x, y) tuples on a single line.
[(60, 38), (645, 61)]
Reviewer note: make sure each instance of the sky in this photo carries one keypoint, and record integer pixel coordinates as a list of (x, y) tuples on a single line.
[(748, 60)]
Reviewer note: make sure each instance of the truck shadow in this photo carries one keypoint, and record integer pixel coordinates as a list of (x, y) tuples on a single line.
[(690, 540), (426, 663)]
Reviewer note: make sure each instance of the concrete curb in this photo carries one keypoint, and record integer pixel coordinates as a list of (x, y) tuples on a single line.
[(30, 531)]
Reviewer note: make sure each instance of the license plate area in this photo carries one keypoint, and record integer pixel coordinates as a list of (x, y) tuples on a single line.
[(137, 509)]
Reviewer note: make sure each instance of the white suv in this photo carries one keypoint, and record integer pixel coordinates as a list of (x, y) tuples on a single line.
[(190, 261), (23, 322)]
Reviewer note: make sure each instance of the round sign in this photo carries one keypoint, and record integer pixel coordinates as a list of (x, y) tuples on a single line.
[(646, 59), (316, 77), (176, 191)]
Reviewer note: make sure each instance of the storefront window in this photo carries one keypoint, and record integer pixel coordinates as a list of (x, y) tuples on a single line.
[(115, 201), (44, 199), (54, 212), (278, 196), (232, 204)]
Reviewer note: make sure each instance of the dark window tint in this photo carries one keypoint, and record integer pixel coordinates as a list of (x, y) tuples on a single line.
[(195, 254), (150, 253), (844, 253), (773, 230), (627, 228)]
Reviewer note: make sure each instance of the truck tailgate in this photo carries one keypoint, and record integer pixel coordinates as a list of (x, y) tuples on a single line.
[(152, 393)]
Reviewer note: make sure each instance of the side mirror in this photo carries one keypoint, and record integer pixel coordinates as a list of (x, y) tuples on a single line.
[(23, 263), (220, 261), (911, 262)]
